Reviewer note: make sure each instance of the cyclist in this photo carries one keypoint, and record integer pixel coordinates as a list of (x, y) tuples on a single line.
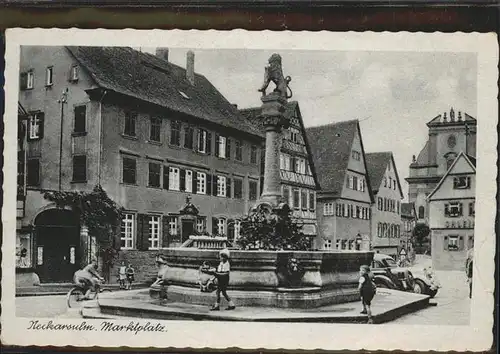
[(88, 278)]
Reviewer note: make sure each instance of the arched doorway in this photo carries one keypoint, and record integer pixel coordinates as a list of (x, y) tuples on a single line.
[(57, 253)]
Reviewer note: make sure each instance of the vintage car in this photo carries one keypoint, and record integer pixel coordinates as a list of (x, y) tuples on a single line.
[(387, 274)]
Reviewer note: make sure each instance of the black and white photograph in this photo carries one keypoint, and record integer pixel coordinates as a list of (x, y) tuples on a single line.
[(277, 190)]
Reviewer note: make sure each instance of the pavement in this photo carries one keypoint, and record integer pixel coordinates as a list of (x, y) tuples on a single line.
[(54, 289)]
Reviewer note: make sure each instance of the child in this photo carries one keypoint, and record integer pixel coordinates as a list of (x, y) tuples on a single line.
[(222, 275), (130, 272), (367, 290), (122, 275)]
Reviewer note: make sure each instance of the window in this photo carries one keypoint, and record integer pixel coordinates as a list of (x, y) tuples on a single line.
[(252, 189), (35, 126), (175, 133), (344, 244), (154, 232), (294, 135), (453, 210), (172, 226), (203, 142), (74, 73), (33, 175), (328, 209), (220, 146), (472, 211), (337, 244), (129, 170), (238, 155), (154, 175), (201, 182), (127, 231), (188, 185), (27, 80), (49, 73), (350, 182), (296, 199), (173, 178), (379, 203), (238, 188), (130, 121), (188, 137), (461, 182), (80, 119), (421, 212), (303, 199), (453, 243), (286, 194), (79, 168), (312, 202), (356, 155), (398, 204), (221, 226), (327, 245), (155, 129), (221, 186), (237, 229), (200, 224), (253, 154)]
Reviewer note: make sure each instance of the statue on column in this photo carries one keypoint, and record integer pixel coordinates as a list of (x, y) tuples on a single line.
[(274, 72)]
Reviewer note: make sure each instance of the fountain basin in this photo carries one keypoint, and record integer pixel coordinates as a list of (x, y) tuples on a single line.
[(283, 279)]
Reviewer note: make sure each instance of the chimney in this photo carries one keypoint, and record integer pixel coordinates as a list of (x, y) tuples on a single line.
[(190, 67), (162, 53)]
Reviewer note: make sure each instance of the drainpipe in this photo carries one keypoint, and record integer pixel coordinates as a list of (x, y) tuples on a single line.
[(99, 157)]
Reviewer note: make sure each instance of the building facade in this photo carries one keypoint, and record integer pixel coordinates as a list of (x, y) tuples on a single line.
[(449, 134), (345, 196), (386, 211), (408, 220), (149, 132), (299, 183), (452, 211)]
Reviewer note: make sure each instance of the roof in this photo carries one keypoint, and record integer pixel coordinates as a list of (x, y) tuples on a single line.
[(376, 164), (151, 79), (253, 116), (423, 156), (407, 208), (461, 154), (443, 119), (331, 150)]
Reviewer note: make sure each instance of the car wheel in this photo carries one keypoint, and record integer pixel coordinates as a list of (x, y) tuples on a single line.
[(419, 287)]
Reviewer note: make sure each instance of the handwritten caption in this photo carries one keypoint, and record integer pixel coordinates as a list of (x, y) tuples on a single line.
[(105, 326)]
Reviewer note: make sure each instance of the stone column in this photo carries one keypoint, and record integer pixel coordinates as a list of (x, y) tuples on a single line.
[(273, 120)]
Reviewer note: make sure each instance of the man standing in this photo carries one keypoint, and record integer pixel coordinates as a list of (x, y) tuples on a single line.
[(468, 269)]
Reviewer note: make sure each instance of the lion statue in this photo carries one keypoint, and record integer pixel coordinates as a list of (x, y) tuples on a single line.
[(274, 72)]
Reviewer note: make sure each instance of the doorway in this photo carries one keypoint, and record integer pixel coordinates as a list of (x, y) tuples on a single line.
[(57, 246), (187, 229)]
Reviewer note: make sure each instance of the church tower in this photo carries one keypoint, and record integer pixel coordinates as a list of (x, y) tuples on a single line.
[(449, 134)]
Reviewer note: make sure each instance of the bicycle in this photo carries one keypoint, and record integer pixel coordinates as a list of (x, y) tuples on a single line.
[(77, 294)]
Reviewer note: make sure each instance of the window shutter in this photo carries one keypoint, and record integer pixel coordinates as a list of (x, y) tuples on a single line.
[(230, 230), (228, 187), (138, 234), (208, 184), (228, 148), (165, 177), (209, 143), (196, 140), (182, 183), (195, 180), (445, 243), (145, 233), (165, 241), (214, 226), (217, 142), (24, 81), (460, 209), (41, 117), (214, 185)]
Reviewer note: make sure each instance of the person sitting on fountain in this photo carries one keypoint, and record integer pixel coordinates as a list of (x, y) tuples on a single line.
[(222, 275), (88, 278)]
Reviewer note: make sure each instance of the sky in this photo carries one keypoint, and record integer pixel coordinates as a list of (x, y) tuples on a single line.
[(393, 94)]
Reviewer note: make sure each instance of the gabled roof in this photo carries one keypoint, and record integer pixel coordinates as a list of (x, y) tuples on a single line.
[(151, 79), (331, 150), (376, 164), (460, 155), (253, 116)]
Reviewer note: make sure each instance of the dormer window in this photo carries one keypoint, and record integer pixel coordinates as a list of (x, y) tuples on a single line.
[(461, 182)]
